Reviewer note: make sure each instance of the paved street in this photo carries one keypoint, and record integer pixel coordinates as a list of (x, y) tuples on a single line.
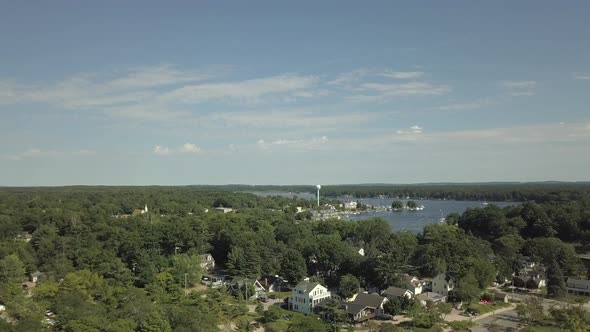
[(507, 318)]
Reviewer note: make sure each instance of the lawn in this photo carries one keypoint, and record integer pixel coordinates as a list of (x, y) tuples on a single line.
[(281, 295), (282, 324), (484, 308), (541, 329)]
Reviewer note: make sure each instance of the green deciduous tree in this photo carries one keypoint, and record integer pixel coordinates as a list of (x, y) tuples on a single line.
[(531, 311), (293, 267), (348, 286), (11, 269)]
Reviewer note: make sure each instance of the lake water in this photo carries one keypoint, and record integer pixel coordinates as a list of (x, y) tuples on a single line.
[(416, 220), (402, 220)]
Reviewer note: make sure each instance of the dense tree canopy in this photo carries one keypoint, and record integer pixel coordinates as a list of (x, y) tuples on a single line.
[(103, 268)]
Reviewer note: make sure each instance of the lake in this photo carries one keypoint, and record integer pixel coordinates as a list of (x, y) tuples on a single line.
[(402, 220), (416, 220)]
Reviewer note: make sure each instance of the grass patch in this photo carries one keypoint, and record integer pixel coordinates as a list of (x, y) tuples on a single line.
[(485, 308), (541, 329), (573, 299), (281, 295), (278, 326)]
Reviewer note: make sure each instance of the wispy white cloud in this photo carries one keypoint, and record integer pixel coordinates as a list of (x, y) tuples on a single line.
[(300, 144), (578, 76), (519, 88), (460, 106), (297, 118), (248, 90), (187, 148), (403, 75), (413, 130), (144, 77), (351, 77), (375, 92), (35, 153)]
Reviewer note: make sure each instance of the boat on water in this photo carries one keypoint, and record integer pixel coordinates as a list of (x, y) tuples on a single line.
[(442, 218)]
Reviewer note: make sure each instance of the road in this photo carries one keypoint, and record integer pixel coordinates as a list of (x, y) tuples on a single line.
[(509, 318)]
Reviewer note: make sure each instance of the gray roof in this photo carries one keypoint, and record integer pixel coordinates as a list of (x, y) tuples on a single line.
[(395, 291), (579, 283), (407, 280), (369, 300), (307, 286), (429, 296), (354, 309)]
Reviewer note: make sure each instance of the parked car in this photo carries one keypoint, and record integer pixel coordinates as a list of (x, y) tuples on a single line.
[(471, 312)]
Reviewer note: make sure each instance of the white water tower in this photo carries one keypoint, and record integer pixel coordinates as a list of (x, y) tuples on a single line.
[(318, 187)]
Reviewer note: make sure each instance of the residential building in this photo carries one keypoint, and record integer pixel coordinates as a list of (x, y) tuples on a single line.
[(207, 262), (237, 283), (531, 276), (443, 283), (359, 313), (307, 295), (396, 292), (34, 277), (426, 297), (578, 286), (222, 209), (415, 285), (366, 304), (139, 212), (273, 283), (350, 205), (360, 251)]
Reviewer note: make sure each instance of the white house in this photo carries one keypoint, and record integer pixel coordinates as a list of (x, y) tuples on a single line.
[(207, 262), (350, 205), (306, 296), (223, 209), (443, 283), (414, 284), (33, 277), (395, 292)]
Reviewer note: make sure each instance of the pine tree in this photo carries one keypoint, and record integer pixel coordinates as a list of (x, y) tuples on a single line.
[(555, 280)]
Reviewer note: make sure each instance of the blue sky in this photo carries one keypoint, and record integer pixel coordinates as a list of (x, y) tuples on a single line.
[(267, 92)]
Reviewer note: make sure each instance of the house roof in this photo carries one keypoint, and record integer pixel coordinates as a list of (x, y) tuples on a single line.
[(395, 291), (448, 276), (578, 282), (429, 296), (369, 300), (36, 274), (204, 257), (267, 281), (407, 279), (353, 308), (307, 286)]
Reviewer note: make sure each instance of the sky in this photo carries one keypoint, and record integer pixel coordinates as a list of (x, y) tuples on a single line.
[(299, 92)]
